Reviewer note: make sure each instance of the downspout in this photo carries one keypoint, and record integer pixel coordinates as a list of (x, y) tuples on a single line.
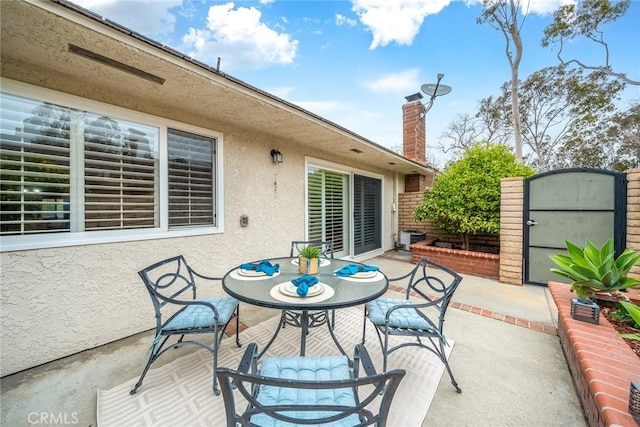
[(394, 210)]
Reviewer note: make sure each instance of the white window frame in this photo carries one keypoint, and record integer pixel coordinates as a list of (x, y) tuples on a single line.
[(53, 240)]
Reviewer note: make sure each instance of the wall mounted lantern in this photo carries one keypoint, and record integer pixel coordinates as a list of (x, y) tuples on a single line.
[(277, 156)]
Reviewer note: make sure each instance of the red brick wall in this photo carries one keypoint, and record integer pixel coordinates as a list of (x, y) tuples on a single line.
[(601, 363), (464, 262)]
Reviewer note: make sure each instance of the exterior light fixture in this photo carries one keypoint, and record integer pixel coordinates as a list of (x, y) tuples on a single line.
[(585, 310), (277, 156)]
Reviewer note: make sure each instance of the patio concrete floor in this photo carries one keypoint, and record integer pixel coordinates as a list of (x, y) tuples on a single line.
[(506, 358)]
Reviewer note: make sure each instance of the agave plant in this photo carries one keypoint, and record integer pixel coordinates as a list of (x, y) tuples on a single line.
[(594, 269), (633, 311)]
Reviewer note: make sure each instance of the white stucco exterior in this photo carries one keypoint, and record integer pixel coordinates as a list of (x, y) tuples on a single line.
[(62, 300)]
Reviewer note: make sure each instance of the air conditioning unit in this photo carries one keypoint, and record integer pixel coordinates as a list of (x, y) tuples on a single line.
[(409, 237)]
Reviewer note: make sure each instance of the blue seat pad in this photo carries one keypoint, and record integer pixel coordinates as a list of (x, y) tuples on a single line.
[(309, 369), (198, 316), (400, 318)]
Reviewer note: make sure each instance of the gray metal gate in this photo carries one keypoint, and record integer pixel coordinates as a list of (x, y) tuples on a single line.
[(573, 205)]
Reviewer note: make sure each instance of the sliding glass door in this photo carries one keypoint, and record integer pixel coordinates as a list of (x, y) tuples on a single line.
[(342, 205), (367, 215)]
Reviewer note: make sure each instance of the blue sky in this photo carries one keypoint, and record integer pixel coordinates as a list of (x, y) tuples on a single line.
[(353, 62)]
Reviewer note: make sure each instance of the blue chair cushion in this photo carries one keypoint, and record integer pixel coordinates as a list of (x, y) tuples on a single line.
[(400, 318), (198, 316), (309, 369)]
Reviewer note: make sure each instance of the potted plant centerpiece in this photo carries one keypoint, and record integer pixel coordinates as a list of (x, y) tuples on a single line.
[(309, 259), (595, 271)]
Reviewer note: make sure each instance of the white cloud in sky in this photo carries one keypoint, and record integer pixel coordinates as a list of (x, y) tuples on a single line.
[(547, 7), (397, 21), (343, 20), (240, 38), (324, 108), (402, 81), (150, 17)]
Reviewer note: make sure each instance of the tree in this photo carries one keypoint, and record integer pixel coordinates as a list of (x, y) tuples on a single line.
[(503, 16), (626, 129), (586, 19), (462, 133), (466, 196), (489, 125), (616, 146), (563, 111)]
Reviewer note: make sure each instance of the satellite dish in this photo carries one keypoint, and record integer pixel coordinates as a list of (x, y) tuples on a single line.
[(434, 90)]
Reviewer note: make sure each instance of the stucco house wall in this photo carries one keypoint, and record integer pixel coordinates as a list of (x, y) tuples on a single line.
[(57, 301)]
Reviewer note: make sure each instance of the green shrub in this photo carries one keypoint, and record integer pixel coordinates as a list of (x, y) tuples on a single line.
[(466, 196)]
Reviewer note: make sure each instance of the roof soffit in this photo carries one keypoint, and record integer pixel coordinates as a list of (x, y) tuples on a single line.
[(35, 40)]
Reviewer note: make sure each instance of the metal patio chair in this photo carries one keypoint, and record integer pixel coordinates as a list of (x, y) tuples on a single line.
[(172, 287), (412, 317), (316, 318), (307, 390)]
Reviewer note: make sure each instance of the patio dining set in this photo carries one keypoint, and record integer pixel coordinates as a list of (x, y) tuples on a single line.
[(343, 389)]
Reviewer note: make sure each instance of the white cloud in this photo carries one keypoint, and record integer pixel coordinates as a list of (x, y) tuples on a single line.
[(403, 81), (397, 21), (538, 7), (547, 7), (343, 20), (144, 16), (240, 39)]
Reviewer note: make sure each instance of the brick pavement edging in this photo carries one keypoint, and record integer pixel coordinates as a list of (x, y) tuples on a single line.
[(601, 363)]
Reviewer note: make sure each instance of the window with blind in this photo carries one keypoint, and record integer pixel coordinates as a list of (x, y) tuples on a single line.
[(190, 179), (65, 170)]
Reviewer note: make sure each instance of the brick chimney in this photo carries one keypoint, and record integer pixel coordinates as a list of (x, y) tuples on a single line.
[(414, 141), (413, 131)]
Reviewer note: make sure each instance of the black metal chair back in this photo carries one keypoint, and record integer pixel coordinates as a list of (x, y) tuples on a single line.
[(171, 284), (428, 290), (169, 281), (326, 248), (370, 396)]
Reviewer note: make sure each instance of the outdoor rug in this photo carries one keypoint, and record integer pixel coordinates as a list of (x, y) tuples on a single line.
[(179, 393)]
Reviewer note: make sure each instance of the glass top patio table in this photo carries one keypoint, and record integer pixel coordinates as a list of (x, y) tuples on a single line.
[(348, 291), (263, 291)]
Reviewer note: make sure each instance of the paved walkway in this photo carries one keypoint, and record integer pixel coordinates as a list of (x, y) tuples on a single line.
[(507, 360)]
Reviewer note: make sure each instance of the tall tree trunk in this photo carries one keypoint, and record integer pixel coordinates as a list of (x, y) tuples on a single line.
[(514, 32)]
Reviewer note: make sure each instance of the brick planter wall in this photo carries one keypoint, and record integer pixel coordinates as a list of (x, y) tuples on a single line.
[(465, 262), (601, 363)]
